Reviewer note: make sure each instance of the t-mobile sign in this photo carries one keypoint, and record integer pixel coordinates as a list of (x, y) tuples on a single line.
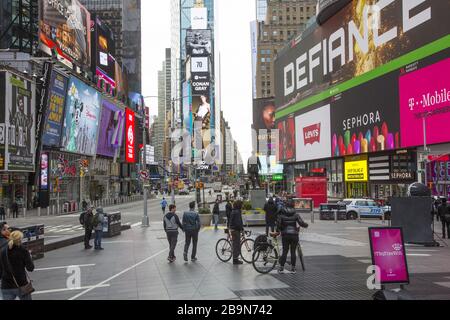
[(129, 134), (389, 255)]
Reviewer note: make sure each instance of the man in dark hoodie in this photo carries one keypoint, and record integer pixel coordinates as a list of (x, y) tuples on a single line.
[(271, 215), (171, 225), (287, 225), (4, 238), (236, 229), (191, 225)]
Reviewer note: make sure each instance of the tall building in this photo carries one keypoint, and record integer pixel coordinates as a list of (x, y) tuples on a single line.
[(278, 22), (124, 18)]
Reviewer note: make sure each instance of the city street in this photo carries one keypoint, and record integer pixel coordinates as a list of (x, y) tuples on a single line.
[(134, 266)]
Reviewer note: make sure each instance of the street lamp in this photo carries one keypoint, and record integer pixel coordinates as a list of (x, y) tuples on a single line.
[(425, 147)]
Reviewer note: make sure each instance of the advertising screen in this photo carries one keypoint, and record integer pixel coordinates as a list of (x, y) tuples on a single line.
[(269, 165), (200, 83), (65, 28), (313, 134), (356, 171), (136, 102), (425, 100), (130, 137), (198, 43), (82, 118), (199, 18), (201, 114), (51, 136), (17, 123), (112, 126), (286, 145), (364, 40), (105, 63), (187, 114), (388, 254), (44, 171), (264, 114), (121, 82)]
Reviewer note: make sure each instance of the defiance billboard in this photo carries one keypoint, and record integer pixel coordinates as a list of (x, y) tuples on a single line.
[(65, 28), (82, 118)]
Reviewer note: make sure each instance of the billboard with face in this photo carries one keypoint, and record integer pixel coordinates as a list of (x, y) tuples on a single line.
[(64, 28), (82, 118), (286, 147), (51, 136), (17, 123), (112, 126), (357, 44), (198, 43), (264, 114), (104, 62)]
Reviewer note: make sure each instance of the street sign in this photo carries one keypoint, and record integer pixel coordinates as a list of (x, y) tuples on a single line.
[(144, 175)]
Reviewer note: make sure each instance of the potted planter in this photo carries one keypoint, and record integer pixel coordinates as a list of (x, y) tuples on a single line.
[(205, 217)]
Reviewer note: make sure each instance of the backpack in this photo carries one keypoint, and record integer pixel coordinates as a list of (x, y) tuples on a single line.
[(82, 216), (261, 242)]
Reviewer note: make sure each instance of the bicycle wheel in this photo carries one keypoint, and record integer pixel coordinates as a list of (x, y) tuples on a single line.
[(224, 250), (265, 259), (300, 256), (247, 247)]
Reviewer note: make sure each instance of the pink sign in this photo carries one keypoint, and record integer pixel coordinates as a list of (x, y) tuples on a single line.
[(425, 93), (388, 253)]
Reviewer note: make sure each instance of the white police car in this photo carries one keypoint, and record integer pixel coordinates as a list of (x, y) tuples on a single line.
[(365, 208)]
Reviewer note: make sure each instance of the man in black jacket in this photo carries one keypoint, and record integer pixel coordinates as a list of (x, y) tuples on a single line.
[(236, 229), (191, 225), (287, 225), (2, 213), (88, 224), (216, 215), (228, 210), (271, 215), (4, 237), (171, 225), (444, 215)]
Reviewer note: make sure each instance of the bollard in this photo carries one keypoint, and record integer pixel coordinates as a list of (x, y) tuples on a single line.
[(53, 210), (39, 211), (335, 216), (312, 216), (48, 211), (24, 212), (383, 218)]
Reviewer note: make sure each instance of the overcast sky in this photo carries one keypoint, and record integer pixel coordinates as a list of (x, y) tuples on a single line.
[(233, 42)]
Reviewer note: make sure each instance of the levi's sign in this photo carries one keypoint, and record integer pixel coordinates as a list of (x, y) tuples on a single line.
[(312, 134)]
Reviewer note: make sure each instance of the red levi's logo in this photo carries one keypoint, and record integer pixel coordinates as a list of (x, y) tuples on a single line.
[(312, 134)]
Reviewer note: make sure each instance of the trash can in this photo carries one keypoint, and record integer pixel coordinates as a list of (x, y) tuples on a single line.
[(327, 211), (113, 227), (33, 240)]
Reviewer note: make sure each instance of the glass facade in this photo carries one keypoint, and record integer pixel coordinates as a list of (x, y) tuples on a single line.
[(261, 10)]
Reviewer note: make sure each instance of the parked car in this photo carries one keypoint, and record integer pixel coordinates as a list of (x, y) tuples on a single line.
[(365, 208)]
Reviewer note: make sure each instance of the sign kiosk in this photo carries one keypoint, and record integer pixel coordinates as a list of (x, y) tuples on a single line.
[(388, 252)]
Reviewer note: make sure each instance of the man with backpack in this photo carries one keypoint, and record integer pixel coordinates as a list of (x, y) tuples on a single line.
[(171, 225), (191, 225), (98, 225), (216, 215), (87, 221), (164, 205), (444, 214)]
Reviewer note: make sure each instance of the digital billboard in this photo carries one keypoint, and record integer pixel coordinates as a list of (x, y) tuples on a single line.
[(201, 114), (51, 136), (286, 147), (65, 28), (200, 83), (130, 136), (121, 82), (44, 171), (187, 111), (363, 41), (104, 62), (112, 126), (199, 18), (264, 114), (198, 43), (82, 118), (17, 123)]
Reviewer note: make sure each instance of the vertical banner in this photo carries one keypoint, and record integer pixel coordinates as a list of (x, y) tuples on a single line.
[(44, 171), (130, 137)]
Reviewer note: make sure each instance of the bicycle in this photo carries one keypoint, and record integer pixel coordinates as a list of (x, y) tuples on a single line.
[(266, 256), (224, 247)]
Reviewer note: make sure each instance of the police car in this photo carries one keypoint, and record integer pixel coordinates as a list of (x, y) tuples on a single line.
[(365, 208)]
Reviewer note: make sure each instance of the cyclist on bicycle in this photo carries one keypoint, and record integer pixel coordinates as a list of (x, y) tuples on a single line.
[(287, 226)]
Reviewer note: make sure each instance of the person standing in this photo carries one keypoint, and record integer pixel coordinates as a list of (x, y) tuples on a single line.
[(98, 226), (216, 214), (164, 205), (2, 213), (444, 215), (236, 229), (14, 263), (191, 225), (287, 225), (228, 210), (88, 223), (271, 215), (15, 209), (84, 205), (171, 225)]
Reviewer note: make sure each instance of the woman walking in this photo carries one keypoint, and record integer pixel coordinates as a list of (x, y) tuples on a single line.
[(14, 263)]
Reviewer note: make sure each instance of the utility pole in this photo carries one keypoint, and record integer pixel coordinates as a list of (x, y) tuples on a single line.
[(145, 218)]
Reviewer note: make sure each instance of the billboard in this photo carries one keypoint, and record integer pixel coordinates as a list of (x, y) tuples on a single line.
[(103, 61), (130, 137), (198, 43), (313, 134), (366, 118), (200, 83), (121, 82), (199, 65), (187, 111), (362, 41), (82, 118), (425, 99), (389, 255), (136, 102), (356, 171), (44, 171), (286, 147), (51, 136), (112, 126), (201, 114), (264, 114), (17, 123), (64, 28), (199, 18)]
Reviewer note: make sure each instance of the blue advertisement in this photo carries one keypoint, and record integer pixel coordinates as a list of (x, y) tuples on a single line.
[(82, 118), (51, 135), (187, 110)]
